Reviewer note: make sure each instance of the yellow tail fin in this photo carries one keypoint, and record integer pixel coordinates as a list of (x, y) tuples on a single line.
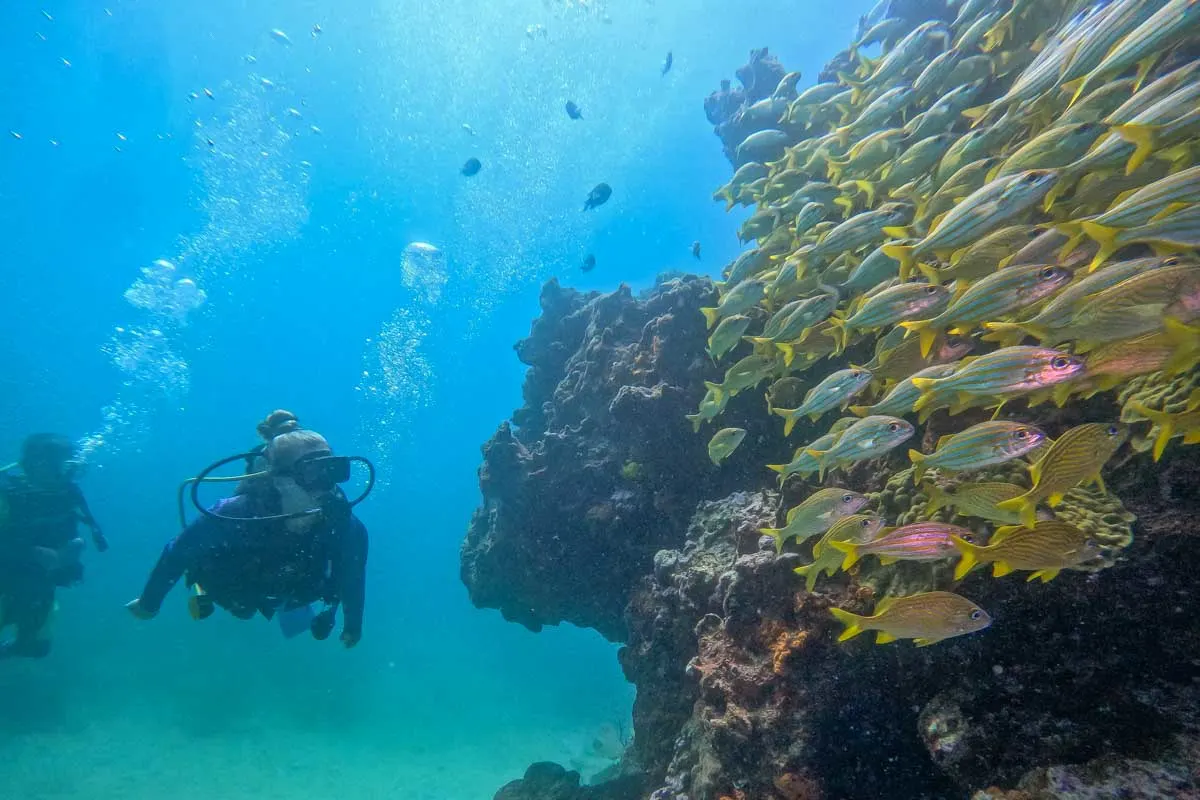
[(904, 254), (1106, 237), (851, 551), (711, 315), (1143, 138), (970, 557), (853, 623)]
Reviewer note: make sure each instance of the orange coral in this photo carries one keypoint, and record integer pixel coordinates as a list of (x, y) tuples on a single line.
[(794, 786), (784, 645)]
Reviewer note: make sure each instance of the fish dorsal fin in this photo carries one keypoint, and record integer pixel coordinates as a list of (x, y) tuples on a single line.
[(883, 605), (942, 440)]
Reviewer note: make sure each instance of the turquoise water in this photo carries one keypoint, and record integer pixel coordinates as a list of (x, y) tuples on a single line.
[(289, 204)]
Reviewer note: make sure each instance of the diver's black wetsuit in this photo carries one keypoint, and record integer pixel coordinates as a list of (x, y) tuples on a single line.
[(36, 518), (261, 566)]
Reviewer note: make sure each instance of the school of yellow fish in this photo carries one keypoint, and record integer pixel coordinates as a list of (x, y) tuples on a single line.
[(1003, 209)]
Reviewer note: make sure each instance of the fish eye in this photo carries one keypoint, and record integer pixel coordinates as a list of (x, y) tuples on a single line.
[(846, 498), (1022, 433), (866, 523), (977, 614), (1060, 362), (969, 538), (1049, 272), (1171, 262), (931, 289), (1113, 430), (893, 426)]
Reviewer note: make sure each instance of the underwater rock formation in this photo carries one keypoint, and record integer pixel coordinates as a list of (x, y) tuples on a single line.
[(599, 469), (724, 108), (549, 781)]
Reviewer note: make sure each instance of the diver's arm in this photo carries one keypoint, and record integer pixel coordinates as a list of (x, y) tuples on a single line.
[(352, 579), (85, 516), (179, 554)]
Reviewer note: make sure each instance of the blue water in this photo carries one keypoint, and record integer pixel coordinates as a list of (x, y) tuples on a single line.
[(296, 237)]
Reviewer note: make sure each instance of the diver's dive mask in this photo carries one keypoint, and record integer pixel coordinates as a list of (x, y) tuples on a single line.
[(319, 472)]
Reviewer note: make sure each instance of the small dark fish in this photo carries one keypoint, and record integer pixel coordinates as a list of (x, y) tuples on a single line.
[(696, 249), (472, 167), (666, 67), (589, 263), (598, 196), (573, 110)]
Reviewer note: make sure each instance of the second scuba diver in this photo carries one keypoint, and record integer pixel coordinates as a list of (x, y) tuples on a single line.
[(41, 507), (287, 539)]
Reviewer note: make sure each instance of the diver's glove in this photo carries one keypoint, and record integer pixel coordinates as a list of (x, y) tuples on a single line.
[(350, 639), (99, 540), (140, 611)]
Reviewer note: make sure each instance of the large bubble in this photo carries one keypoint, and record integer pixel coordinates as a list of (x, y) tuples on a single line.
[(423, 268)]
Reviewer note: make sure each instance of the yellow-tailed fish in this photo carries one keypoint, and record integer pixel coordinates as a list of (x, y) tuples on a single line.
[(810, 215), (835, 391), (909, 51), (1045, 549), (1153, 92), (1145, 45), (916, 160), (786, 391), (1056, 147), (726, 336), (1075, 457), (918, 541), (819, 341), (1151, 139), (783, 184), (1003, 292), (758, 225), (1154, 201), (1057, 315), (742, 297), (747, 265), (975, 500), (900, 399), (982, 212), (747, 373), (802, 463), (904, 359), (1116, 21), (985, 256), (982, 445), (902, 302), (1004, 373), (1112, 364), (877, 267), (714, 402), (933, 79), (927, 618), (1173, 280), (868, 154), (1184, 423), (742, 176), (863, 229), (869, 437), (875, 115), (854, 528), (798, 317), (967, 179), (724, 442), (815, 515), (973, 35), (1098, 104), (1043, 72)]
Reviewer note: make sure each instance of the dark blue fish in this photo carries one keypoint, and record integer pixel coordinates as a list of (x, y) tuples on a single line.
[(472, 167), (589, 263), (573, 110), (667, 64), (598, 196)]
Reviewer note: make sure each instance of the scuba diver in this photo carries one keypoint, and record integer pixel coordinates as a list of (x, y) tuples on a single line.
[(41, 507), (287, 539)]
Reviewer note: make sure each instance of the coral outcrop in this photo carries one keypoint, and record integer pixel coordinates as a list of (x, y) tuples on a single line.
[(600, 469)]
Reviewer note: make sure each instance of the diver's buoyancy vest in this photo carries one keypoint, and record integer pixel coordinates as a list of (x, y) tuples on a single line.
[(38, 517)]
